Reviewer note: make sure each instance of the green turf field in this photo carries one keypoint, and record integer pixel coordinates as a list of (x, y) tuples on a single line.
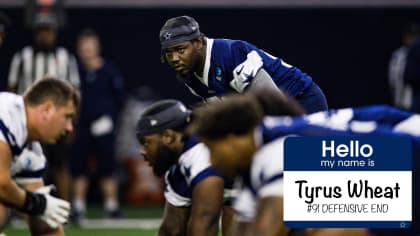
[(138, 221), (91, 232)]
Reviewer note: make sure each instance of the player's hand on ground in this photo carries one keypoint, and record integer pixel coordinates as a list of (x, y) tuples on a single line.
[(57, 211)]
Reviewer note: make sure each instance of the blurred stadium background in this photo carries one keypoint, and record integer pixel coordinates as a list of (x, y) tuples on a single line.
[(345, 45)]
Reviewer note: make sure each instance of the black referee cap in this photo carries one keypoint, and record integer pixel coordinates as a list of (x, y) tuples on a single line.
[(45, 21), (162, 115), (178, 30)]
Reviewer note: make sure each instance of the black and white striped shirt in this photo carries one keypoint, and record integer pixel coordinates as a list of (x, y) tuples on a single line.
[(29, 66)]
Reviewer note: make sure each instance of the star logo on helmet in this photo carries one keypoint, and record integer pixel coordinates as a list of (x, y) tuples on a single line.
[(183, 108), (167, 36), (153, 122)]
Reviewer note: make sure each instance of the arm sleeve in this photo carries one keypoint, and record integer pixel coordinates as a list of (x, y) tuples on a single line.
[(247, 63), (263, 80)]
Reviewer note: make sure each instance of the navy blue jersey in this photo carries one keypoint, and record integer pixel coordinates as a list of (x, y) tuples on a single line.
[(375, 120), (193, 166), (370, 120), (231, 65), (102, 91)]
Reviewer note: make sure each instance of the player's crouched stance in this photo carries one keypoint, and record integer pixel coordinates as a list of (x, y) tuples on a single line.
[(27, 172), (194, 192), (43, 114), (237, 139)]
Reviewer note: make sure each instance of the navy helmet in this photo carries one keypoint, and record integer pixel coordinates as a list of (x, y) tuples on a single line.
[(162, 115), (178, 30)]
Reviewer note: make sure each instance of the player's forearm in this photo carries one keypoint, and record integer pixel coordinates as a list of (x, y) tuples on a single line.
[(258, 230), (240, 228), (262, 230), (174, 221), (207, 203), (40, 228), (36, 225), (53, 232), (206, 224), (10, 194), (269, 218), (165, 230)]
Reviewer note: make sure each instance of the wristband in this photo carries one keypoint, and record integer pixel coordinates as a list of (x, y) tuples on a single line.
[(35, 203)]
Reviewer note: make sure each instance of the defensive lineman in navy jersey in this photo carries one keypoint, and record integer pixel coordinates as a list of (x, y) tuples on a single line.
[(242, 146), (211, 68), (370, 120), (193, 189)]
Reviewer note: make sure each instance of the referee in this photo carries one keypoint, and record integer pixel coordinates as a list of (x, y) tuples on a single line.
[(42, 58)]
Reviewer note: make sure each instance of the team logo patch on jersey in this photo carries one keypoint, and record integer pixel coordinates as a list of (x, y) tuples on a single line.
[(28, 163), (219, 73), (187, 171)]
